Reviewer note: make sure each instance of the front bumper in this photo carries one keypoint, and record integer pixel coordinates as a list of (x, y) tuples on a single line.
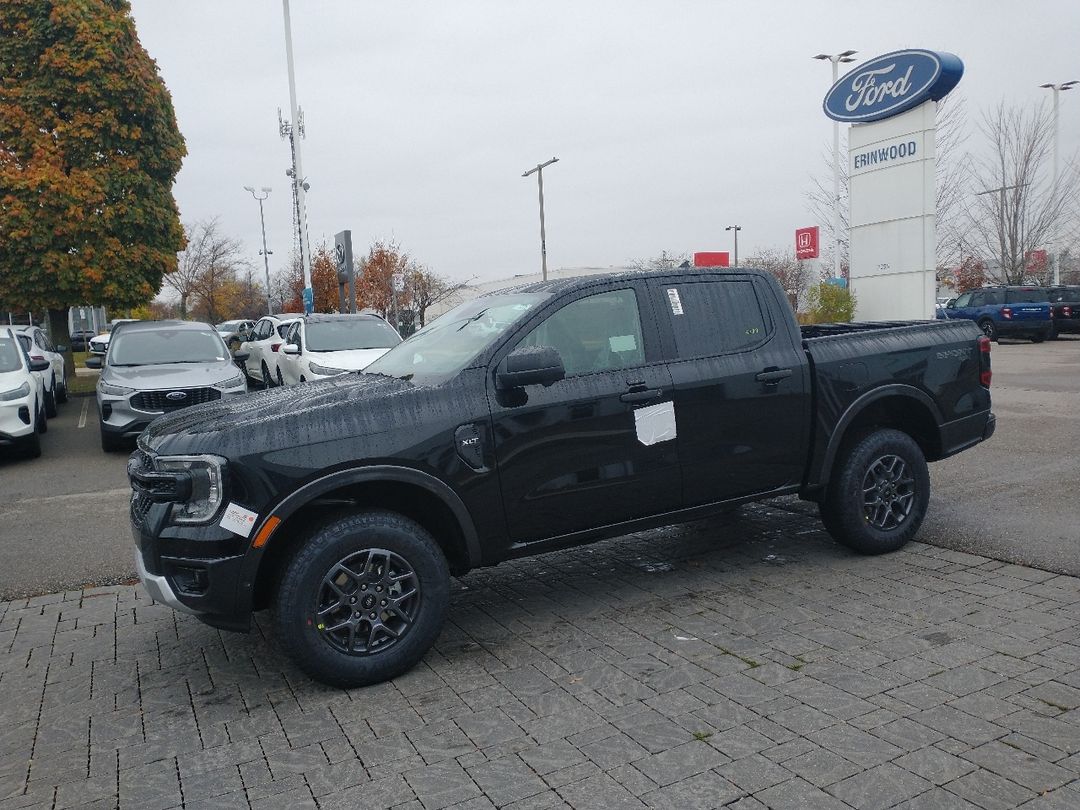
[(13, 427), (159, 588)]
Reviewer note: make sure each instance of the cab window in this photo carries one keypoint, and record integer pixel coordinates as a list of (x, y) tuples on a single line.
[(710, 318), (594, 334)]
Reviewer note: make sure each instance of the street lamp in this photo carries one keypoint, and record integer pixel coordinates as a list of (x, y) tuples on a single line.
[(539, 170), (1057, 88), (836, 60), (264, 252), (735, 228)]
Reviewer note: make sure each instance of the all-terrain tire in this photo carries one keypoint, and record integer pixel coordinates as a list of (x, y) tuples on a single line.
[(362, 556), (879, 494)]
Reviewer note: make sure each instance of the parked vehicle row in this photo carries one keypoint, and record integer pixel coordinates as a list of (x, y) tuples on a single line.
[(22, 396), (54, 379), (1021, 311), (287, 350)]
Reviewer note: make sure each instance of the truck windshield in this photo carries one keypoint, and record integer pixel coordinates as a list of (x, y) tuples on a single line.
[(448, 344)]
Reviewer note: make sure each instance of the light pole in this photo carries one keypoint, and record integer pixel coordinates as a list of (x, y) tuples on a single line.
[(264, 252), (735, 228), (300, 185), (1057, 88), (539, 170), (836, 59)]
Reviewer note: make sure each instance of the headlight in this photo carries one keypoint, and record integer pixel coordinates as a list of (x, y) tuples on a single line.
[(232, 382), (317, 369), (206, 494), (18, 393), (114, 390)]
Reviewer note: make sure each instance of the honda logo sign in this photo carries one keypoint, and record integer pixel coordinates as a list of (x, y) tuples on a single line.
[(806, 243)]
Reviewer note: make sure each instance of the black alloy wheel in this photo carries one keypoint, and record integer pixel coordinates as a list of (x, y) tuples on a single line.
[(367, 602), (988, 328), (363, 598), (888, 493)]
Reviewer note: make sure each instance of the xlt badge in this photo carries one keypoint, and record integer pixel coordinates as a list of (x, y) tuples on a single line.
[(470, 446)]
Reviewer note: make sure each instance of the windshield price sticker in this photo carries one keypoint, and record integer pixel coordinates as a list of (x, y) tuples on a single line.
[(676, 302), (238, 519)]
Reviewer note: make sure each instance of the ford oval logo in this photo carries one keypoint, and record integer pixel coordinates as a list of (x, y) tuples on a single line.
[(892, 84), (176, 396)]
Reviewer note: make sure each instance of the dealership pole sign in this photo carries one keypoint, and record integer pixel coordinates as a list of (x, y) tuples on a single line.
[(892, 84), (891, 103)]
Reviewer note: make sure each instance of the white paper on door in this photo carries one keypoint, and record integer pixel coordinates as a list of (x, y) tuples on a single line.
[(655, 423)]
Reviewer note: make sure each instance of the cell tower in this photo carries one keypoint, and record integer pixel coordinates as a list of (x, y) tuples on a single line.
[(294, 131)]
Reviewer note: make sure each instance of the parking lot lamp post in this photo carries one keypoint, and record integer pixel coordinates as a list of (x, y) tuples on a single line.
[(735, 228), (836, 59), (1057, 88), (539, 170), (265, 253)]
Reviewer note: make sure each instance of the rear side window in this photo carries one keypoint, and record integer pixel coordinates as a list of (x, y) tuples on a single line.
[(1035, 295), (714, 317)]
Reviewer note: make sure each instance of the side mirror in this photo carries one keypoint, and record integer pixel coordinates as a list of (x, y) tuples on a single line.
[(93, 362), (530, 365), (40, 365), (290, 348), (950, 305), (61, 349), (240, 357)]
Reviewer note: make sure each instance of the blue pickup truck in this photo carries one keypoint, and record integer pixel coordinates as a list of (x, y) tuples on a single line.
[(1004, 311)]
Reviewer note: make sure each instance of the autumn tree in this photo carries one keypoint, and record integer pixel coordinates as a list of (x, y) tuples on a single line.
[(324, 283), (89, 150), (374, 285), (425, 288)]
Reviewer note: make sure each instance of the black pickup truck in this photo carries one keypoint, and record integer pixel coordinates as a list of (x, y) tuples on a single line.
[(536, 418)]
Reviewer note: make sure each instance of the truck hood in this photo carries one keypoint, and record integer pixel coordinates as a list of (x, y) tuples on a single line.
[(170, 375), (331, 409)]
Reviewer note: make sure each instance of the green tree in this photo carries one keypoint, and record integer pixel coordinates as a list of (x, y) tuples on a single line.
[(89, 149), (831, 303)]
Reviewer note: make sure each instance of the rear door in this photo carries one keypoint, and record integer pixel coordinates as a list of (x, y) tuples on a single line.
[(289, 364), (583, 453), (742, 387)]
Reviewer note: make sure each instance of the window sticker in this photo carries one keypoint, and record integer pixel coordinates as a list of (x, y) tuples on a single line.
[(623, 343), (676, 302), (238, 519)]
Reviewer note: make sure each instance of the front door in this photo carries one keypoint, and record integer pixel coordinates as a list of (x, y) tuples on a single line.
[(583, 453)]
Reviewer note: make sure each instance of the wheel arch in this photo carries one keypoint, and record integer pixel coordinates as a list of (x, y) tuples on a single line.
[(902, 407), (413, 493)]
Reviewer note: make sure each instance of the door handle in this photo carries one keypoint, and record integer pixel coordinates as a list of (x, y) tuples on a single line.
[(773, 376), (642, 396)]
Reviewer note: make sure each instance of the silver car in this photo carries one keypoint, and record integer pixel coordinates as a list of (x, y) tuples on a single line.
[(156, 367)]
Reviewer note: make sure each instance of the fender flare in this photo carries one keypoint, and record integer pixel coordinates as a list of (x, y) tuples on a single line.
[(860, 405), (292, 502)]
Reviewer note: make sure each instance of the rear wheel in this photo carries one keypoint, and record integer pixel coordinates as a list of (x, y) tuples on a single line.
[(265, 375), (879, 493), (988, 328), (50, 401), (363, 599)]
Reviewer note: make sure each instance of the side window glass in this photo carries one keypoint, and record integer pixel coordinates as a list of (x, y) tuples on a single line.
[(594, 334), (978, 300), (263, 330), (963, 301), (994, 297), (714, 317)]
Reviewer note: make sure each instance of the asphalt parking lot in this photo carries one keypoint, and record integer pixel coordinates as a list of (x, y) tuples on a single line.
[(743, 662)]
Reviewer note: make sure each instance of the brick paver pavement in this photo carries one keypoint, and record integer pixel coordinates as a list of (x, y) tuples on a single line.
[(747, 662)]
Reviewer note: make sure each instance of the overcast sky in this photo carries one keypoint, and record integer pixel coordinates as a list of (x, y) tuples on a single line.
[(670, 119)]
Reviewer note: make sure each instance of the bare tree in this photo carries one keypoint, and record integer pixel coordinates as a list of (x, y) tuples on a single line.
[(950, 170), (426, 289), (1018, 207), (793, 275), (665, 261), (190, 262)]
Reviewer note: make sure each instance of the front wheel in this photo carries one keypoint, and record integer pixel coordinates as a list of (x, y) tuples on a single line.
[(988, 328), (879, 493), (62, 391), (50, 402), (265, 375), (363, 599)]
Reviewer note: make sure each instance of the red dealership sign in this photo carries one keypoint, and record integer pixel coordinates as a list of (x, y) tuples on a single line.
[(806, 243), (711, 259)]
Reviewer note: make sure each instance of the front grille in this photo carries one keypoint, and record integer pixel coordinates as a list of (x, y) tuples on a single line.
[(170, 401), (140, 506)]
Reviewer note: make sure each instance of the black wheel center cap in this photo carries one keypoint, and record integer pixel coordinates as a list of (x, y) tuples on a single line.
[(368, 602)]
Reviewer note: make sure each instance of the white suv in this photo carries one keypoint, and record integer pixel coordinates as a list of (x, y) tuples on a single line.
[(262, 347), (319, 346), (22, 400), (36, 344)]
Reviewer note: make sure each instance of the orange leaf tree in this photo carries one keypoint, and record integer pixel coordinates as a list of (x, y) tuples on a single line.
[(89, 149)]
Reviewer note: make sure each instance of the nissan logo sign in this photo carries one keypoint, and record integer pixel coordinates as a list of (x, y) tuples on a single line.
[(176, 396), (892, 84)]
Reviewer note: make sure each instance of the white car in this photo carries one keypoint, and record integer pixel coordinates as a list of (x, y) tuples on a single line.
[(22, 397), (318, 346), (262, 347), (36, 344), (100, 344)]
